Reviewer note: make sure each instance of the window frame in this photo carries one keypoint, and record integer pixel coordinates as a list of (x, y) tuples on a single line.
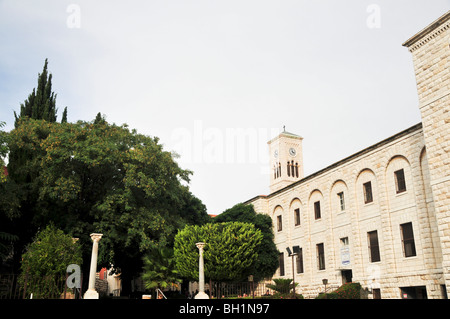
[(408, 241), (374, 247), (279, 223), (320, 249), (400, 181), (297, 221), (281, 264), (368, 192), (299, 261), (317, 210), (341, 201)]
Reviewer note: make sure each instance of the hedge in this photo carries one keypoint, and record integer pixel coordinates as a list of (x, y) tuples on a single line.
[(351, 290)]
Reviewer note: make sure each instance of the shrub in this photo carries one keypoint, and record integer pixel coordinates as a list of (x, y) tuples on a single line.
[(351, 290)]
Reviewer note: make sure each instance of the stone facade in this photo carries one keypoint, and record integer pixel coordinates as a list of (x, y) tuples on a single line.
[(381, 216), (430, 50)]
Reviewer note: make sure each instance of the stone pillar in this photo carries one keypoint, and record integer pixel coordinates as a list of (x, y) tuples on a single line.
[(201, 274), (91, 293)]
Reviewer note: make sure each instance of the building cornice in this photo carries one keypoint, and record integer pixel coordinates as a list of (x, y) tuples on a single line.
[(397, 136), (430, 32)]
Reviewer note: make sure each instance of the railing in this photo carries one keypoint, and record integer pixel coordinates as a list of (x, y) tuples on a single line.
[(238, 290), (13, 286)]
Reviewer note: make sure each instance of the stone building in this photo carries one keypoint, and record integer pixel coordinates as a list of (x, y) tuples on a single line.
[(380, 217)]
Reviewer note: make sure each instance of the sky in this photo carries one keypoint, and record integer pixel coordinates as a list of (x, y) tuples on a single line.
[(216, 80)]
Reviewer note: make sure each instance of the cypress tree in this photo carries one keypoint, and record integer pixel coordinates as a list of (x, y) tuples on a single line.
[(41, 103)]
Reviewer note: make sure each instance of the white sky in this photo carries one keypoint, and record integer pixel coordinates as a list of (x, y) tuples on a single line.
[(197, 73)]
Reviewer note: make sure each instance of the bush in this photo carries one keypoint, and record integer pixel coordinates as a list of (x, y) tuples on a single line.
[(351, 290)]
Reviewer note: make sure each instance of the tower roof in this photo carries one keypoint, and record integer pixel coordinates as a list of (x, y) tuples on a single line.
[(286, 134)]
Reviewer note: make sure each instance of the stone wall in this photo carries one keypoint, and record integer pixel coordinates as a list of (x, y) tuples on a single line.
[(430, 50)]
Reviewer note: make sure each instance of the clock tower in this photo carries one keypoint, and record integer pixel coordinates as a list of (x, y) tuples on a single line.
[(286, 160)]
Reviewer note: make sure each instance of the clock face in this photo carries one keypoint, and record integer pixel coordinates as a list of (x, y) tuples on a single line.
[(275, 154), (292, 151)]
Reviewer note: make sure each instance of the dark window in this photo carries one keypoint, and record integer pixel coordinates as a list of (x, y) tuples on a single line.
[(409, 248), (288, 169), (376, 293), (296, 169), (300, 261), (374, 249), (297, 216), (281, 263), (368, 198), (341, 201), (320, 257), (400, 181), (317, 210), (279, 223), (292, 169)]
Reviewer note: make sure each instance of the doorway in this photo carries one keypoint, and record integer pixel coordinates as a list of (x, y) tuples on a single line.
[(346, 276)]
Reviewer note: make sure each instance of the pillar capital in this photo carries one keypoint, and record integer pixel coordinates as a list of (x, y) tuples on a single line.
[(200, 245), (96, 237)]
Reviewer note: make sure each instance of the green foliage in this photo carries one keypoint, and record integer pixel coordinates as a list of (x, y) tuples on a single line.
[(160, 269), (267, 262), (50, 253), (104, 178), (41, 103), (282, 285), (346, 291), (229, 255), (47, 257)]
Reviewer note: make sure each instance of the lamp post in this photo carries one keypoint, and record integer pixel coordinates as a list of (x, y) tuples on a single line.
[(201, 275), (325, 282), (292, 254)]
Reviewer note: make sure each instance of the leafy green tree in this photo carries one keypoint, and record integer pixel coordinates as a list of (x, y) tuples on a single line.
[(267, 262), (229, 255), (160, 269), (101, 177), (46, 259)]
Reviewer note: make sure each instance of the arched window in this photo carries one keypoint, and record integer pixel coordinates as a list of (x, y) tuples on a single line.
[(296, 169), (279, 168), (288, 169)]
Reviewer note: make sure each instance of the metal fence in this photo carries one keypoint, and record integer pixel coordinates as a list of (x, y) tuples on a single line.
[(13, 286), (240, 290)]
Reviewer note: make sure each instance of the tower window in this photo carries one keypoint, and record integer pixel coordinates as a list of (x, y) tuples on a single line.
[(292, 168), (296, 169), (400, 181), (288, 169)]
